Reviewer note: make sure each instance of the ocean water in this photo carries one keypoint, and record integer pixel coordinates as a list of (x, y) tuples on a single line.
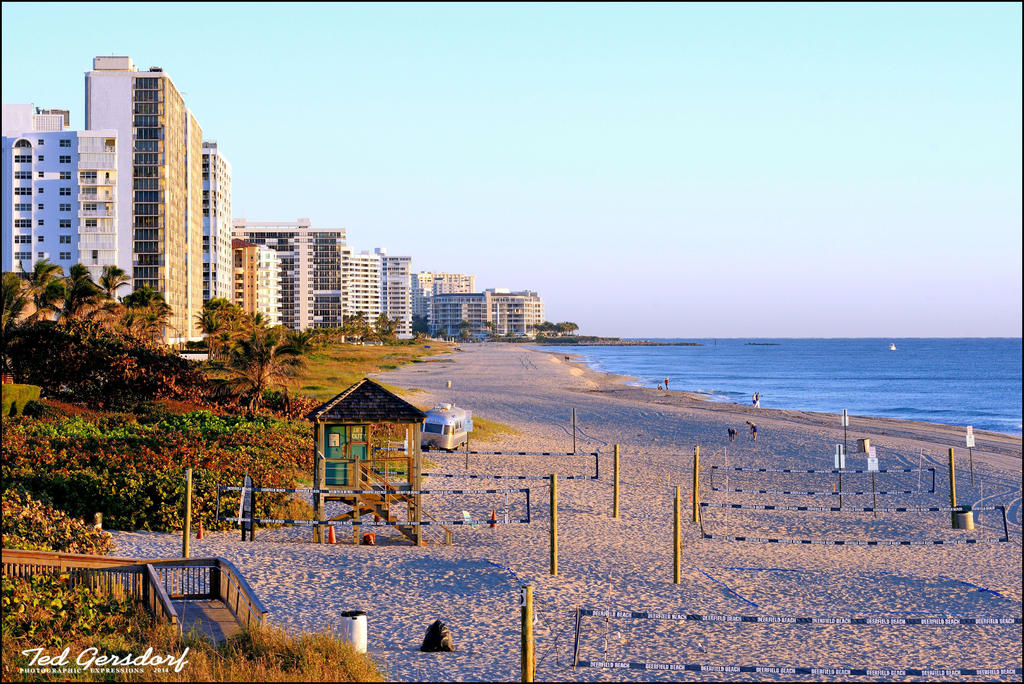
[(962, 381)]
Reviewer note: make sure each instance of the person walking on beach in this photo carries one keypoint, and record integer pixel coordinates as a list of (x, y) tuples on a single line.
[(732, 434), (753, 430), (757, 400), (666, 383)]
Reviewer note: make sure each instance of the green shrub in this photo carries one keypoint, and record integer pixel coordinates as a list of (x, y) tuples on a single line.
[(47, 611), (31, 524), (16, 397)]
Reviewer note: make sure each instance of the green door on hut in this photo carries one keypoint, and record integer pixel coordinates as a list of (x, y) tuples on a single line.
[(344, 446)]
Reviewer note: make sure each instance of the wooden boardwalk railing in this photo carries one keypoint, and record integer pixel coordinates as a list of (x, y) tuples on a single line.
[(153, 583)]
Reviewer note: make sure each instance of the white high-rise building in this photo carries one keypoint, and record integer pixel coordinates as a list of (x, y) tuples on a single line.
[(217, 260), (498, 309), (396, 291), (160, 231), (362, 285), (311, 263), (426, 284), (59, 192)]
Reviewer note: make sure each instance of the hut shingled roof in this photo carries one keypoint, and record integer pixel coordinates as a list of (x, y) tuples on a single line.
[(367, 402)]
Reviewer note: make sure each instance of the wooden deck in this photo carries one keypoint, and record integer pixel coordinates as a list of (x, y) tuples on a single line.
[(211, 618)]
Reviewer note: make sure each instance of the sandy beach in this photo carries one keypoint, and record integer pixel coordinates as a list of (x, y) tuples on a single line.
[(626, 564)]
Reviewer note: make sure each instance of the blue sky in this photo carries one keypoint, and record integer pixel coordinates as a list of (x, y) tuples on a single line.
[(651, 170)]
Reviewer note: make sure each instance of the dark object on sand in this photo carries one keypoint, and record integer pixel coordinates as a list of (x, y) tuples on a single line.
[(438, 638)]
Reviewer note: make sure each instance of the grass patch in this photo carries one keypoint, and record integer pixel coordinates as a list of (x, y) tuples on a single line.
[(333, 368), (14, 398)]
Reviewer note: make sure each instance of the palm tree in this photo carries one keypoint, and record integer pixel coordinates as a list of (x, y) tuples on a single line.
[(211, 323), (146, 314), (465, 328), (15, 301), (262, 359), (81, 294), (45, 287), (303, 341), (111, 279), (386, 327)]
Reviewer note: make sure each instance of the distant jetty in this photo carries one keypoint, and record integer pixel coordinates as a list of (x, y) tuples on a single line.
[(591, 341), (763, 344)]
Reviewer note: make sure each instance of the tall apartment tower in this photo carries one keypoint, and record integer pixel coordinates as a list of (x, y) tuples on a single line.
[(427, 284), (160, 232), (311, 265), (362, 285), (217, 251), (256, 280), (396, 290), (59, 192), (506, 312)]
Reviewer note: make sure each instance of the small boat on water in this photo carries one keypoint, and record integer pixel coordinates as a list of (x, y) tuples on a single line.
[(892, 346)]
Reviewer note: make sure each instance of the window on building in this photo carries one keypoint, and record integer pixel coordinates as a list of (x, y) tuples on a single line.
[(65, 159), (40, 207), (66, 192), (40, 190), (39, 222), (40, 142), (65, 223), (90, 223), (65, 256), (41, 255), (24, 175), (22, 223), (21, 206), (65, 239), (22, 191), (65, 207), (95, 254), (23, 159), (22, 239), (65, 142), (40, 157), (65, 175)]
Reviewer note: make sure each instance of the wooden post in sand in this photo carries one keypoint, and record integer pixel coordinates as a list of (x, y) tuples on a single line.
[(526, 643), (696, 482), (574, 430), (615, 490), (677, 539), (952, 488), (186, 531), (554, 524)]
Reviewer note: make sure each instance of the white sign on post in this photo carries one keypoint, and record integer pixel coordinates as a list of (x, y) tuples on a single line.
[(872, 460), (840, 457), (846, 419), (970, 437)]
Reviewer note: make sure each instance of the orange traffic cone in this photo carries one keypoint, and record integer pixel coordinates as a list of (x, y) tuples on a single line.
[(330, 535), (199, 534), (494, 520)]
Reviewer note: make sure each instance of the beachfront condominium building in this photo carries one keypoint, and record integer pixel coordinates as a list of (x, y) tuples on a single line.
[(160, 231), (362, 285), (498, 310), (256, 286), (426, 284), (312, 262), (396, 291), (59, 192), (217, 252)]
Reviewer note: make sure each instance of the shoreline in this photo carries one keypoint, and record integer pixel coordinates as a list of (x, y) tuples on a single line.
[(620, 383)]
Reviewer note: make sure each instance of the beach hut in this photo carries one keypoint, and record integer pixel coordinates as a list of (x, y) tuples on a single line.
[(344, 459)]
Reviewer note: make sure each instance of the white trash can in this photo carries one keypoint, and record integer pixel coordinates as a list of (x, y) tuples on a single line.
[(353, 629)]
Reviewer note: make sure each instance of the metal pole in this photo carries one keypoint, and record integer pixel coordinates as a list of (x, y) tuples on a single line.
[(952, 487), (874, 500), (554, 524), (526, 643), (677, 545), (186, 531), (696, 481), (615, 495)]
